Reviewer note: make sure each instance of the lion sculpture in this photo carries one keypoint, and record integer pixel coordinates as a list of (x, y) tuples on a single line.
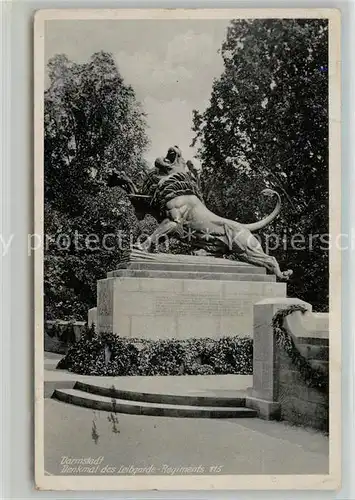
[(172, 194)]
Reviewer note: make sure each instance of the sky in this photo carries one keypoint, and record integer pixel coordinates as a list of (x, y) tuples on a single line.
[(170, 64)]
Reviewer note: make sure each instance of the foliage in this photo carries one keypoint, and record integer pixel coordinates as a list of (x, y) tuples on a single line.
[(164, 357), (314, 377), (195, 356), (267, 125), (92, 123)]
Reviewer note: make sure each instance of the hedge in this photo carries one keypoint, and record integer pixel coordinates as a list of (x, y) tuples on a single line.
[(110, 355)]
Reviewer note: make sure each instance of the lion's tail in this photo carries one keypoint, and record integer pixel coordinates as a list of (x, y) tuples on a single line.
[(255, 226)]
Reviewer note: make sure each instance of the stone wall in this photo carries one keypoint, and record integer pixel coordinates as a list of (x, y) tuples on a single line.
[(56, 338), (280, 388), (301, 404)]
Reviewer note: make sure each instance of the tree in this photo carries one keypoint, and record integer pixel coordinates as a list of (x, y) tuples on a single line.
[(93, 123), (267, 125)]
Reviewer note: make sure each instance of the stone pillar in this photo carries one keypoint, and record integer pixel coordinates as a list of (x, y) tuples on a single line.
[(265, 391)]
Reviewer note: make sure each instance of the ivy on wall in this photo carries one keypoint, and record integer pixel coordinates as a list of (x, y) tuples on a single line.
[(313, 377)]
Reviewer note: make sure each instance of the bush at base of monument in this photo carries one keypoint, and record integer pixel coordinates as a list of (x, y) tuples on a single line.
[(110, 355)]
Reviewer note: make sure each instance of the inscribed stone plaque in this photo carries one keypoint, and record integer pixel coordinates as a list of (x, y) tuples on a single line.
[(206, 305)]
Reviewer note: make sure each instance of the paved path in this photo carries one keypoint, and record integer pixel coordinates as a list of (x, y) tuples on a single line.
[(230, 446), (239, 446)]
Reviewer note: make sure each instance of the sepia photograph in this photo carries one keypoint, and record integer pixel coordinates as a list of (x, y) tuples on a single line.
[(187, 249)]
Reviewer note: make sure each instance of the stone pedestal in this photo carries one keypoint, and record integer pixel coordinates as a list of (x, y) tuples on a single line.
[(166, 296)]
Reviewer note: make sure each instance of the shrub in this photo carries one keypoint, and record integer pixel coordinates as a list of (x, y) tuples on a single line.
[(100, 355), (164, 357), (233, 355), (110, 355)]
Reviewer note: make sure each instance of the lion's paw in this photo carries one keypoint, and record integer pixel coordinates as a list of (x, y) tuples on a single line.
[(139, 246)]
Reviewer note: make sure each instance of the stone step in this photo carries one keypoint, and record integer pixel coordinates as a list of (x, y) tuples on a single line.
[(128, 273), (95, 402), (176, 266), (235, 400)]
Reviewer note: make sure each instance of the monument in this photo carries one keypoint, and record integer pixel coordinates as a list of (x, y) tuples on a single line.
[(157, 295)]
